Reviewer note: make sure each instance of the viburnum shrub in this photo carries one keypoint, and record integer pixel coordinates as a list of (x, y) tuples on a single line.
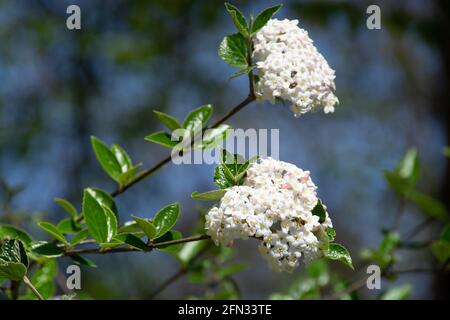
[(271, 202)]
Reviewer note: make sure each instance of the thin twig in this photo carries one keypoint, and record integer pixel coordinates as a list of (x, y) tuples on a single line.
[(132, 249), (148, 172), (32, 288)]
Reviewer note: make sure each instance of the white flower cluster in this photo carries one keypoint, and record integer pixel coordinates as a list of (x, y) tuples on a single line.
[(291, 69), (274, 205)]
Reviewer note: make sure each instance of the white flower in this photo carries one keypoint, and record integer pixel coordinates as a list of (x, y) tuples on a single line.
[(291, 69), (274, 205)]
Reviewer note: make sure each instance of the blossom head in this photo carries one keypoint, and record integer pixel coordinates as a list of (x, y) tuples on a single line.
[(274, 205), (291, 69)]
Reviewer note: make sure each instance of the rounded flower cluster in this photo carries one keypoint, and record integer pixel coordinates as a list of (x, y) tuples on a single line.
[(274, 205), (291, 69)]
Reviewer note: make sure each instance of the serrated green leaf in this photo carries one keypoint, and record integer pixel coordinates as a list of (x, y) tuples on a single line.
[(147, 226), (213, 195), (263, 18), (331, 233), (170, 122), (98, 220), (233, 50), (53, 231), (67, 206), (166, 218), (430, 207), (11, 232), (162, 138), (12, 270), (222, 178), (198, 118), (13, 251), (338, 252), (319, 211), (47, 249), (79, 236), (238, 19), (122, 158), (106, 158), (398, 293), (170, 236)]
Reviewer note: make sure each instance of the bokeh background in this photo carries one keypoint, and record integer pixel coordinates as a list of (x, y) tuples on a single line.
[(58, 87)]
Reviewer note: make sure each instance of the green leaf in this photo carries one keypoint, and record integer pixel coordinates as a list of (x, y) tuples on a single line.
[(409, 167), (430, 207), (122, 158), (47, 249), (170, 236), (98, 220), (147, 226), (106, 158), (132, 240), (105, 200), (12, 270), (68, 226), (13, 251), (238, 19), (441, 250), (445, 234), (11, 232), (397, 183), (43, 280), (189, 251), (83, 261), (66, 205), (263, 18), (126, 176), (111, 220), (338, 252), (331, 233), (170, 122), (390, 242), (214, 137), (319, 211), (222, 178), (79, 236), (162, 138), (230, 270), (166, 218), (197, 118), (398, 293), (129, 226), (53, 231), (213, 195), (245, 70), (233, 50)]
